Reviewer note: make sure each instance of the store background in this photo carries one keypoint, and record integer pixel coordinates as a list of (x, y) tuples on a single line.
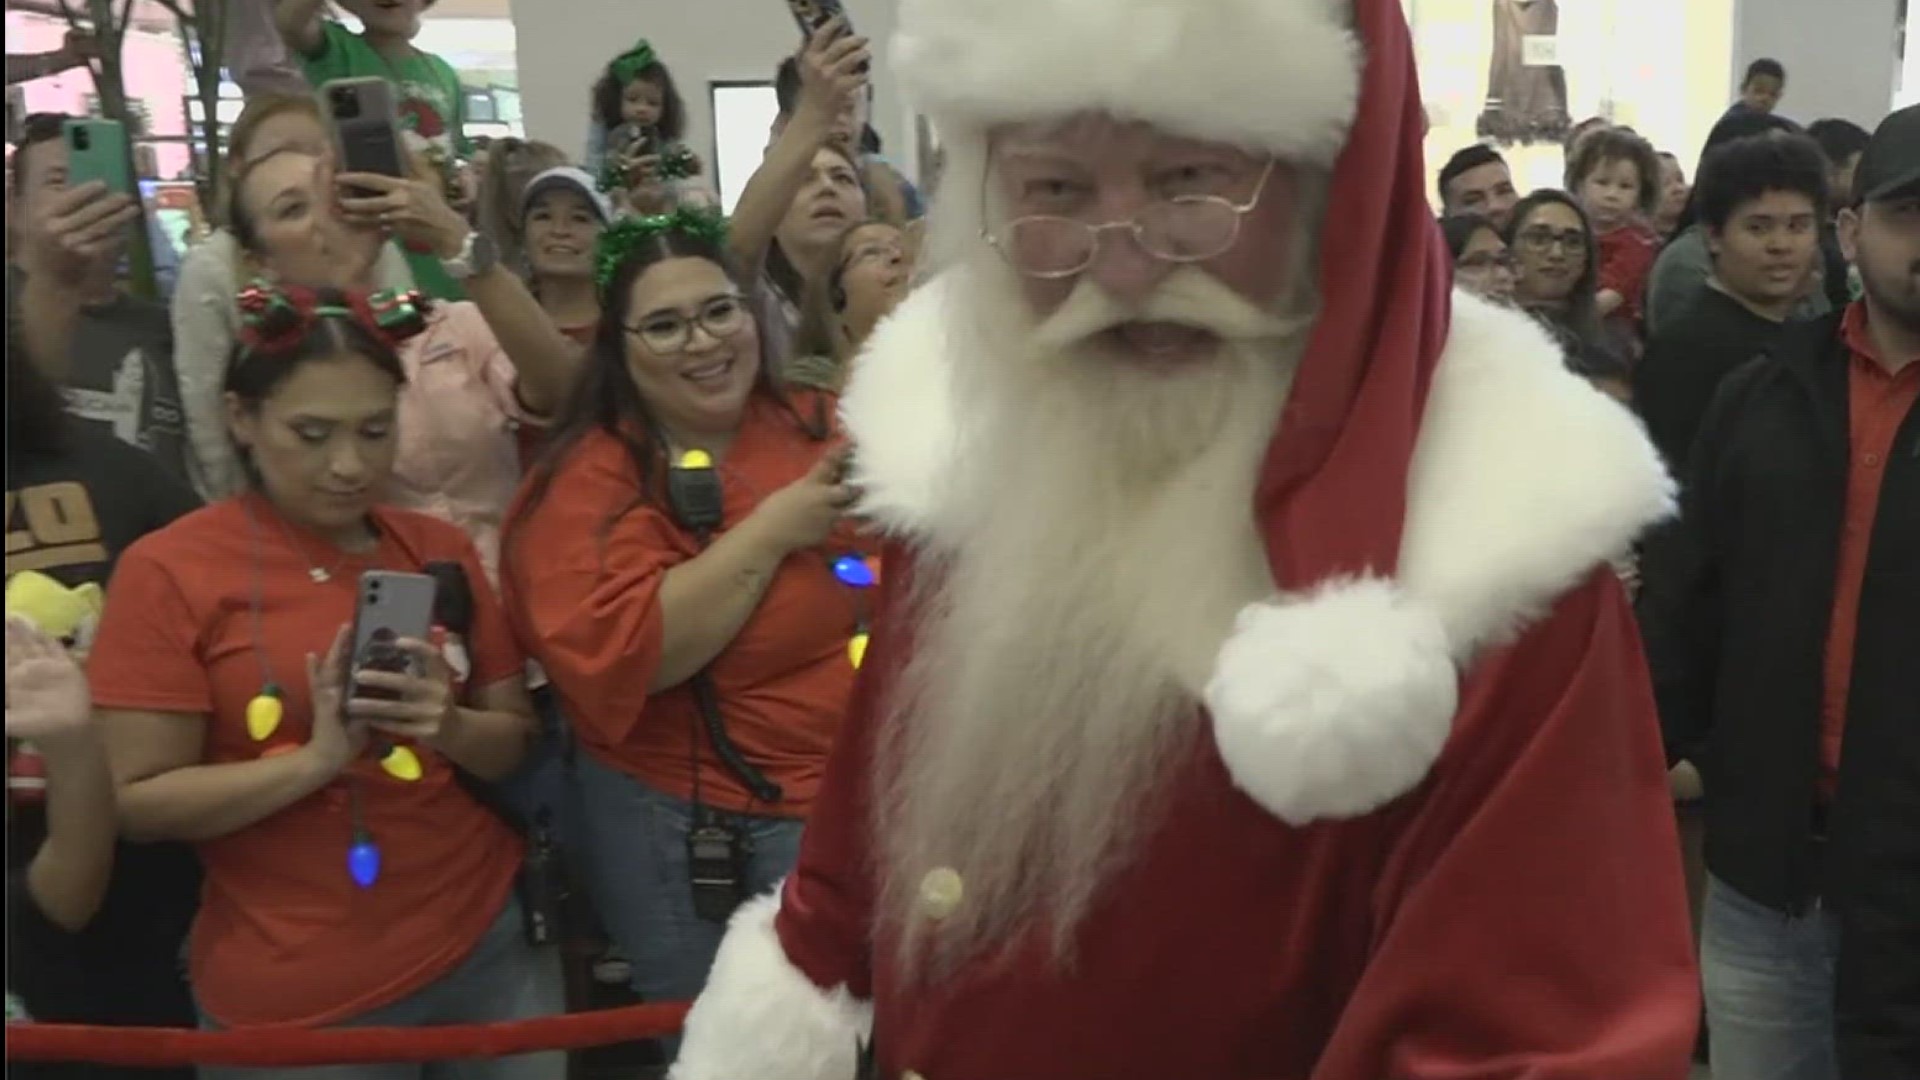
[(1668, 68)]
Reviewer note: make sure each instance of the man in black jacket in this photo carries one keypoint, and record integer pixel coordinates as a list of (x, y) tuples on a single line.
[(1762, 200), (1780, 616)]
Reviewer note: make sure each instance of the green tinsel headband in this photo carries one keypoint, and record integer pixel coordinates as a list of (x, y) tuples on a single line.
[(619, 240), (628, 65), (676, 162)]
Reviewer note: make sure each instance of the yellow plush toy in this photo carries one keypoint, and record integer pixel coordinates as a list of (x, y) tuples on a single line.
[(71, 615)]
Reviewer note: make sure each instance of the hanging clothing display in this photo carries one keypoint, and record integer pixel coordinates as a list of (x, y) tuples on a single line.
[(1526, 103)]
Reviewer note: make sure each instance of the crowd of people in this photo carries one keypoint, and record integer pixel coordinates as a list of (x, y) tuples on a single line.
[(672, 471)]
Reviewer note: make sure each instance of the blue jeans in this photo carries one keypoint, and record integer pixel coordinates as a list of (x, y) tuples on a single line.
[(1769, 988), (636, 855), (504, 978)]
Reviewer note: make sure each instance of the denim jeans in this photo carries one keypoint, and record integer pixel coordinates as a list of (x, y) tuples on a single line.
[(636, 854), (1769, 988), (504, 978)]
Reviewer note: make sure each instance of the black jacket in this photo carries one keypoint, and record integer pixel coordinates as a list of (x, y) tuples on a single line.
[(1695, 349), (1735, 607)]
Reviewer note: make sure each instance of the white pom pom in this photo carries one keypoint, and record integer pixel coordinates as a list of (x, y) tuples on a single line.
[(1333, 706)]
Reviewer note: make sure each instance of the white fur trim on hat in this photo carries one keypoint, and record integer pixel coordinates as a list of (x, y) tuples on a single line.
[(1275, 75), (760, 1016)]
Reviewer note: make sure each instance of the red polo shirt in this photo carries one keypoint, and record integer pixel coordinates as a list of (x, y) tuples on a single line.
[(1877, 403)]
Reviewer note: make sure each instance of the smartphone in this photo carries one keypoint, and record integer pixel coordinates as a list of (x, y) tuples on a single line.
[(97, 150), (814, 14), (391, 606), (366, 125)]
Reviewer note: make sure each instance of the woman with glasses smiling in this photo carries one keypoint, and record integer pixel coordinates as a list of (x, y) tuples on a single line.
[(1558, 283), (677, 565)]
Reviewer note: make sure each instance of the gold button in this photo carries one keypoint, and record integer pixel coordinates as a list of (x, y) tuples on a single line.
[(940, 893)]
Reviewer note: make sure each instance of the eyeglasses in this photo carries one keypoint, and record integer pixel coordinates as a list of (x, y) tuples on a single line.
[(1183, 229), (1482, 261), (1540, 240), (671, 331)]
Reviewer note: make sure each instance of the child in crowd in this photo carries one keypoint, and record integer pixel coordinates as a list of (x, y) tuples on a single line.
[(637, 145), (1616, 177), (432, 106)]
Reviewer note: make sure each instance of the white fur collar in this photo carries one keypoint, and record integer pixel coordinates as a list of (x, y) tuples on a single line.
[(1334, 702)]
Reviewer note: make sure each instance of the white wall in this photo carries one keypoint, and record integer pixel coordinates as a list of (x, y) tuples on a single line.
[(1838, 54), (564, 45)]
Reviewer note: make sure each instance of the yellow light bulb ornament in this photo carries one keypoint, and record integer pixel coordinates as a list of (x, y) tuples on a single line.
[(403, 764), (857, 649), (696, 459), (264, 713)]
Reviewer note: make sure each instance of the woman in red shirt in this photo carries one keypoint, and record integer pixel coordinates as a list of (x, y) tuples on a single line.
[(667, 613), (226, 732)]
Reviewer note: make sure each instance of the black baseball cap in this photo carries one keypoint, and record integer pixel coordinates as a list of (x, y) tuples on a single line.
[(1890, 166)]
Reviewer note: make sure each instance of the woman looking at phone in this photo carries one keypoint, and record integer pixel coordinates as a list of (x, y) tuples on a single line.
[(226, 729), (639, 615)]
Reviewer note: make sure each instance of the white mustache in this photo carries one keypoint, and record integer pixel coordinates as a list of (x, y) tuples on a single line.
[(1189, 296)]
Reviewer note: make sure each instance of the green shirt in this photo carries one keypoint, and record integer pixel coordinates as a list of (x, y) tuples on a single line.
[(432, 115)]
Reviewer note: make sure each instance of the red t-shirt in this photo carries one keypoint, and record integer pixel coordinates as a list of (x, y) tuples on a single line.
[(283, 935), (1877, 404), (581, 575), (1627, 255)]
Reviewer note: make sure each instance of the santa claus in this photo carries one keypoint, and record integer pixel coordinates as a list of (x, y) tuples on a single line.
[(1251, 698)]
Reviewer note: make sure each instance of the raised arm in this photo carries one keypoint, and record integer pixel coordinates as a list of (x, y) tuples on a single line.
[(544, 359), (47, 705), (299, 24), (831, 72)]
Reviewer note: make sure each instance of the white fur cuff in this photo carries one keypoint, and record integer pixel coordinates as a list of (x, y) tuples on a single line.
[(1333, 705), (760, 1018)]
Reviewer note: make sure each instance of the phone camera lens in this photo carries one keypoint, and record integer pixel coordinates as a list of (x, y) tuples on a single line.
[(81, 139)]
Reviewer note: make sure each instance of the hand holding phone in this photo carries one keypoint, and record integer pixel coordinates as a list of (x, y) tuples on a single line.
[(75, 230), (397, 682), (833, 70)]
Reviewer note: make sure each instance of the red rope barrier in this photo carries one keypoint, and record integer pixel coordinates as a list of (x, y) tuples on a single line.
[(286, 1046)]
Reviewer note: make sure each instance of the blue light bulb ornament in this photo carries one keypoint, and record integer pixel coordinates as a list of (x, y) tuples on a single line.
[(363, 861), (853, 572)]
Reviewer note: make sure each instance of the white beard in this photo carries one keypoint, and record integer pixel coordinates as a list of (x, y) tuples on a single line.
[(1102, 554)]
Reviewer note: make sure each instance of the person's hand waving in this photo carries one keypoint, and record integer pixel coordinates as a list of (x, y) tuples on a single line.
[(48, 703)]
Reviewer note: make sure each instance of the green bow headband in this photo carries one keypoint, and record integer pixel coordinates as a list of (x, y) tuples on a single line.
[(628, 65), (619, 240)]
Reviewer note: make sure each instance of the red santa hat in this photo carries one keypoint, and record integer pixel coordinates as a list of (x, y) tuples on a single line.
[(1337, 696)]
